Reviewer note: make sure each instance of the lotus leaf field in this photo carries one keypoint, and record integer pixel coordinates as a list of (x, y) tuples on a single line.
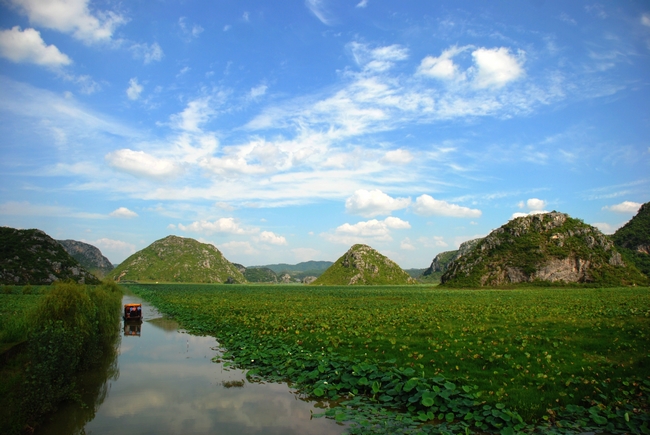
[(428, 360)]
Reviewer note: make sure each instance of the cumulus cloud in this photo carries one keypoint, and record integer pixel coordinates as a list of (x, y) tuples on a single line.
[(123, 212), (624, 207), (534, 206), (426, 205), (399, 156), (73, 17), (369, 203), (134, 90), (496, 67), (270, 237), (27, 46), (361, 231), (441, 67), (139, 163), (223, 226)]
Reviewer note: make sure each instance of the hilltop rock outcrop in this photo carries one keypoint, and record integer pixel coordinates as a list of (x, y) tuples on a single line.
[(551, 247), (89, 256), (440, 262), (178, 259), (362, 265), (33, 257)]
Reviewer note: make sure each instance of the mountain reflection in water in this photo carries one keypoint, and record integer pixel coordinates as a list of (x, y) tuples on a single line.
[(163, 381)]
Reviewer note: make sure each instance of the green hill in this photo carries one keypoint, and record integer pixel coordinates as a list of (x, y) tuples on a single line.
[(362, 265), (550, 247), (33, 257), (89, 256), (260, 274), (178, 259), (633, 239)]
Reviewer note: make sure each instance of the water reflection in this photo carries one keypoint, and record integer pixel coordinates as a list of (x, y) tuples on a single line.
[(133, 328), (168, 384)]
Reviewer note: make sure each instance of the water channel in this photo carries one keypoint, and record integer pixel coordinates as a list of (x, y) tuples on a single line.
[(163, 381)]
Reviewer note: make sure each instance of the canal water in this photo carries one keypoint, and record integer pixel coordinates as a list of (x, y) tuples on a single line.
[(162, 380)]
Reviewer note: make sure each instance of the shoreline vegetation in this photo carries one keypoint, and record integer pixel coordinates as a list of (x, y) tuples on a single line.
[(50, 336), (431, 360)]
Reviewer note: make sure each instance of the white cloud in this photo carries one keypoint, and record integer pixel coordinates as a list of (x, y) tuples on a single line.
[(520, 214), (317, 8), (148, 52), (237, 248), (372, 229), (377, 59), (24, 208), (496, 67), (27, 46), (134, 90), (399, 156), (369, 203), (196, 113), (425, 205), (536, 204), (189, 32), (115, 250), (139, 163), (222, 225), (442, 67), (624, 207), (645, 19), (270, 237), (606, 228), (433, 242), (123, 212), (362, 4), (406, 244), (71, 16), (258, 91)]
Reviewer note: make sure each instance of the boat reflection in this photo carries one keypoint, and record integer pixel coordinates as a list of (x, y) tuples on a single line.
[(132, 328)]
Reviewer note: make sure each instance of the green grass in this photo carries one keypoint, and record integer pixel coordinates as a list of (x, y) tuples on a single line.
[(529, 350)]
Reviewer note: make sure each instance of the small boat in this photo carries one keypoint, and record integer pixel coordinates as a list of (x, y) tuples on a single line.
[(133, 312)]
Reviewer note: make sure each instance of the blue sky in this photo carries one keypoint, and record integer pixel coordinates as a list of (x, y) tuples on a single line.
[(288, 131)]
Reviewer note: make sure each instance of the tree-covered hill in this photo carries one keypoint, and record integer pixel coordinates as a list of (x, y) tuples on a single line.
[(33, 257), (633, 239), (178, 259), (362, 265)]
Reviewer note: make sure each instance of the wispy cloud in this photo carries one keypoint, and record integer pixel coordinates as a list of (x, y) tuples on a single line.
[(317, 7)]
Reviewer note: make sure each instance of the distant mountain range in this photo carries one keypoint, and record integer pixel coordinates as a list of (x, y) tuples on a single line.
[(549, 247)]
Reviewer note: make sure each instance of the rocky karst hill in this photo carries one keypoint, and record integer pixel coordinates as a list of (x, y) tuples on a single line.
[(441, 261), (178, 259), (550, 247), (33, 257), (633, 239), (89, 256), (362, 265)]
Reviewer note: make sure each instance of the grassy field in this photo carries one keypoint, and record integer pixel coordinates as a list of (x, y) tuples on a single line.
[(539, 353)]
